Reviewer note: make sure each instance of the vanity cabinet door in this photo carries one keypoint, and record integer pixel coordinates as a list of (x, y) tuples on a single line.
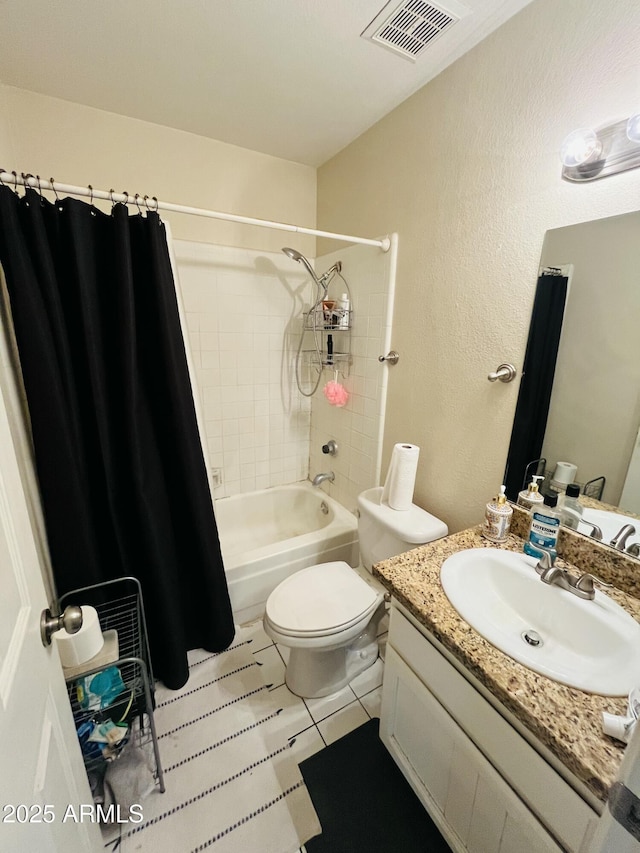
[(526, 773), (429, 757), (474, 808)]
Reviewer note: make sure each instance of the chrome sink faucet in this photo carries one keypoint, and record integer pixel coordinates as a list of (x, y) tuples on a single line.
[(596, 533), (553, 575), (620, 539), (320, 478)]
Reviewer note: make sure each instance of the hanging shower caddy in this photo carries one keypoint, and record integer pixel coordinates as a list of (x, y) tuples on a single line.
[(121, 614), (330, 322)]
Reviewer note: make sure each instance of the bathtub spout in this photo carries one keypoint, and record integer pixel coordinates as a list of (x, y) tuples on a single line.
[(320, 478)]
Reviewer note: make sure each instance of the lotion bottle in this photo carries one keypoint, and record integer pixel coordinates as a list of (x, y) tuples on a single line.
[(530, 496), (344, 310), (544, 528), (497, 518)]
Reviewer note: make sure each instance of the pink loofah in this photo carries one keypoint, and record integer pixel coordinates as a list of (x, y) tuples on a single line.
[(335, 393)]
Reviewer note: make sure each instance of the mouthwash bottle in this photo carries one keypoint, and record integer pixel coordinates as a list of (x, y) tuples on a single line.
[(544, 528)]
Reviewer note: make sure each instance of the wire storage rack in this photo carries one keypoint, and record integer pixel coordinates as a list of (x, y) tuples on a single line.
[(130, 697), (331, 329)]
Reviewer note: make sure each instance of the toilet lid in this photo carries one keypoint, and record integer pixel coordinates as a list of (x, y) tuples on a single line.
[(319, 600)]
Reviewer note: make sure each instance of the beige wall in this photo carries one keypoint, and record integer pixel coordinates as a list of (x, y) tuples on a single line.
[(80, 145), (467, 171)]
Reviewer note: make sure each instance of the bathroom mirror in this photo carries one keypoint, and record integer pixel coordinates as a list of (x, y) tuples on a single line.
[(594, 411)]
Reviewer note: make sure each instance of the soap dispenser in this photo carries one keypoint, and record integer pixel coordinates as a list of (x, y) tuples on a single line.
[(497, 518), (530, 496)]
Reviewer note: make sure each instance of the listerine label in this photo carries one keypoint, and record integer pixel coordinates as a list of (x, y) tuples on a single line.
[(543, 532)]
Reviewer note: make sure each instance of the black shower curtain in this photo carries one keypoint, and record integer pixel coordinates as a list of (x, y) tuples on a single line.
[(118, 456), (532, 409)]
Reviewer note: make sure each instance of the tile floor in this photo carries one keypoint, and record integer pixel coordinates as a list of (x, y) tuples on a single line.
[(311, 723), (315, 723)]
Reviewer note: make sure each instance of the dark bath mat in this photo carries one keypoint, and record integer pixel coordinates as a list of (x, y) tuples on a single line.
[(364, 803)]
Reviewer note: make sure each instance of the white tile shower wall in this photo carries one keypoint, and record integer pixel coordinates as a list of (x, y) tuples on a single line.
[(244, 311), (356, 426)]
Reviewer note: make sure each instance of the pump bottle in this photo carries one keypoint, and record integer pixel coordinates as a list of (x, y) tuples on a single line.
[(531, 495), (497, 518)]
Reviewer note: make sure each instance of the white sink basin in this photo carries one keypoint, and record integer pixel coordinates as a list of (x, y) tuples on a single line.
[(592, 645), (610, 523)]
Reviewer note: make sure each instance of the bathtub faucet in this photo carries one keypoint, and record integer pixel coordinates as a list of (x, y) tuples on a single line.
[(320, 478)]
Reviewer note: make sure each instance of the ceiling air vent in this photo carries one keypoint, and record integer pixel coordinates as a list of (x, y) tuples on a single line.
[(409, 27)]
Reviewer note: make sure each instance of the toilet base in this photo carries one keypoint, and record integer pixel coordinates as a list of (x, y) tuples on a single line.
[(312, 673)]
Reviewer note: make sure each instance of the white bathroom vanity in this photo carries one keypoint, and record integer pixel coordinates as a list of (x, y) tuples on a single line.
[(485, 786), (504, 759)]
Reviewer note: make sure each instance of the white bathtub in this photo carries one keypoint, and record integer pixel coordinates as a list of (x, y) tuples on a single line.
[(268, 535)]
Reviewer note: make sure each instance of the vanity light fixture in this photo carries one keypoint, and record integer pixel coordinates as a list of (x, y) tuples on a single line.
[(588, 154), (633, 128)]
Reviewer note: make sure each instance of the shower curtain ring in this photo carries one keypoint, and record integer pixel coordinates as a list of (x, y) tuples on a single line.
[(15, 182), (53, 187), (25, 182), (156, 201), (136, 198), (42, 198), (90, 188)]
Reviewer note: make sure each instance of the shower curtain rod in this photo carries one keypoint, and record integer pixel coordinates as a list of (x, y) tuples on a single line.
[(152, 203)]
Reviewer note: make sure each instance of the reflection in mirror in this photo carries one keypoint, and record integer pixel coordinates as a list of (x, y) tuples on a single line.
[(593, 420)]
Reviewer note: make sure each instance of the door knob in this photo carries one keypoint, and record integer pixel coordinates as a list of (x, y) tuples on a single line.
[(70, 620)]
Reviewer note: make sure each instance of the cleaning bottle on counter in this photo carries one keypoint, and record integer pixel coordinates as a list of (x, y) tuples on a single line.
[(531, 495), (497, 518), (544, 528), (570, 507)]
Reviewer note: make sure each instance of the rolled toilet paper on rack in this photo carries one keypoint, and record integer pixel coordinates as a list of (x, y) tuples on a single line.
[(565, 473), (401, 477), (84, 644)]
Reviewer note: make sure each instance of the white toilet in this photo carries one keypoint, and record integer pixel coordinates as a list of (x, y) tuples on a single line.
[(327, 615)]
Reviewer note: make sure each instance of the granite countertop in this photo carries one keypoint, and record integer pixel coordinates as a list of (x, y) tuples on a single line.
[(566, 720)]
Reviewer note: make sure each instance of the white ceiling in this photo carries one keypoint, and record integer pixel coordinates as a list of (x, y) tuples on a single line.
[(291, 78)]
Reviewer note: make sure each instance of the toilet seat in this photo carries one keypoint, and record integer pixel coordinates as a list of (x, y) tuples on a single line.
[(320, 601)]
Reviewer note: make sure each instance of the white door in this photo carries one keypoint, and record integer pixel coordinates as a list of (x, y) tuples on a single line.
[(41, 769)]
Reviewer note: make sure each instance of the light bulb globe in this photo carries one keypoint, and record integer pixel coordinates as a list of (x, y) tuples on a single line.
[(581, 146), (633, 128)]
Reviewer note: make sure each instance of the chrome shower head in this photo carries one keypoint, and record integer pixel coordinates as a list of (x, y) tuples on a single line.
[(323, 281), (295, 255)]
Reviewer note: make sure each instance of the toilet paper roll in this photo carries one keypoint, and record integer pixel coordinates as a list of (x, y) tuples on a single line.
[(401, 477), (565, 473), (86, 643)]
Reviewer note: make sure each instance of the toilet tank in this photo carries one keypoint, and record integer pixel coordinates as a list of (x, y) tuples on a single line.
[(384, 532)]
